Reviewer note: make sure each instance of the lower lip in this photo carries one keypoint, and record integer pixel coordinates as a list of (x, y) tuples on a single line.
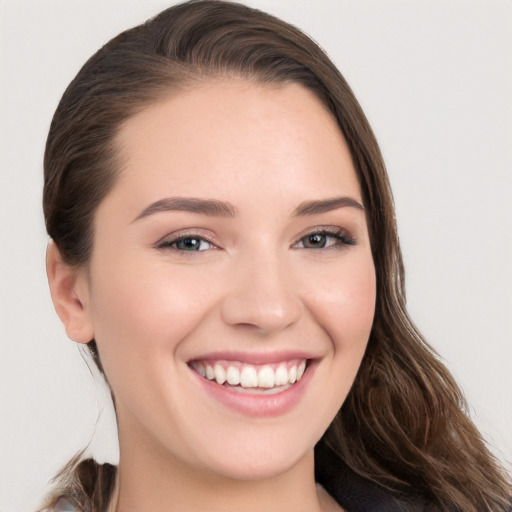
[(258, 405)]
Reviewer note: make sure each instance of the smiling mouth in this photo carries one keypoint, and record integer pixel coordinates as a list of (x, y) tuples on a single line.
[(252, 378)]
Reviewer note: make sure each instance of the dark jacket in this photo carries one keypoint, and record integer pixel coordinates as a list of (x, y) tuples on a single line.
[(355, 493)]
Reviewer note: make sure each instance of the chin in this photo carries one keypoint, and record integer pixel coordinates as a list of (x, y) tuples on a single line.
[(262, 468), (257, 454)]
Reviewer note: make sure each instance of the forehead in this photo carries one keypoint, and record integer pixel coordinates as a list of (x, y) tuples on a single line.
[(217, 135)]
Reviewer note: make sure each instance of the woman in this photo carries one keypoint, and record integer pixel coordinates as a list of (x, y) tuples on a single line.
[(223, 240)]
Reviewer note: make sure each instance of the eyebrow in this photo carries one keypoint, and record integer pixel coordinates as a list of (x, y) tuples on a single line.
[(326, 205), (210, 207), (216, 208)]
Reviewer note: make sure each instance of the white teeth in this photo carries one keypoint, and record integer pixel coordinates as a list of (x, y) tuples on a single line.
[(219, 373), (292, 372), (233, 376), (281, 376), (301, 369), (266, 377), (200, 369), (249, 377)]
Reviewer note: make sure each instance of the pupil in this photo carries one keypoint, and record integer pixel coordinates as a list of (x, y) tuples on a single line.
[(316, 240), (189, 244)]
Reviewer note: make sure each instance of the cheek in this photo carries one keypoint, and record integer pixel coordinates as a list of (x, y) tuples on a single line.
[(357, 306), (344, 305), (141, 317)]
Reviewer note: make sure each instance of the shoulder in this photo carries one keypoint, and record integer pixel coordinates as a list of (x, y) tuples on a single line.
[(62, 503)]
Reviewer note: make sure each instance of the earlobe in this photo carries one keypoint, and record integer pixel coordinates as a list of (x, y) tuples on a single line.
[(70, 294)]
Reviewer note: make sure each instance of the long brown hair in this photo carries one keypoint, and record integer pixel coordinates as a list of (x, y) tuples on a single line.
[(404, 424)]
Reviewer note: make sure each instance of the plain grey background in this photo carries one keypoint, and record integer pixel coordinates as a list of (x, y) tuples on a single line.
[(434, 79)]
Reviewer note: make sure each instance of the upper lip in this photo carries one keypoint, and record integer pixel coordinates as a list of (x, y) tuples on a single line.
[(268, 357)]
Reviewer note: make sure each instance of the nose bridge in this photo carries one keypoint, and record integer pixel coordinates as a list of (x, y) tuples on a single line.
[(262, 293)]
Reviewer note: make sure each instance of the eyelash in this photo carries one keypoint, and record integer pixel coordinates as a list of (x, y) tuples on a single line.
[(341, 237), (171, 243)]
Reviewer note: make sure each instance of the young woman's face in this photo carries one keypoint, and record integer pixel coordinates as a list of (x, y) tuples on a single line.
[(234, 246)]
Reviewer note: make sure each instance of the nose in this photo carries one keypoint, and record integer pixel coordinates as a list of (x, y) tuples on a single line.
[(262, 295)]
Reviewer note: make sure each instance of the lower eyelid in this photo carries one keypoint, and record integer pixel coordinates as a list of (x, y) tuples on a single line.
[(174, 238), (347, 239), (342, 237)]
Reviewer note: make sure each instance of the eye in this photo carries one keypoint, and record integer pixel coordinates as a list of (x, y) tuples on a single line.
[(325, 239), (188, 243)]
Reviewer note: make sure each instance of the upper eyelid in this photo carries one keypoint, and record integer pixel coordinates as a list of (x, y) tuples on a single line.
[(333, 231), (181, 234), (328, 230), (210, 238)]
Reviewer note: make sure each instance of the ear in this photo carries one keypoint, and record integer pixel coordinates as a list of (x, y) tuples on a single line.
[(70, 295)]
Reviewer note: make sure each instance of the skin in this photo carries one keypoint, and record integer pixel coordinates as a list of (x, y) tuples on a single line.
[(255, 287)]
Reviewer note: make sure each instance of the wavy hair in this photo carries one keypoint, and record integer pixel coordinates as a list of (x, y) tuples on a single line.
[(404, 424)]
